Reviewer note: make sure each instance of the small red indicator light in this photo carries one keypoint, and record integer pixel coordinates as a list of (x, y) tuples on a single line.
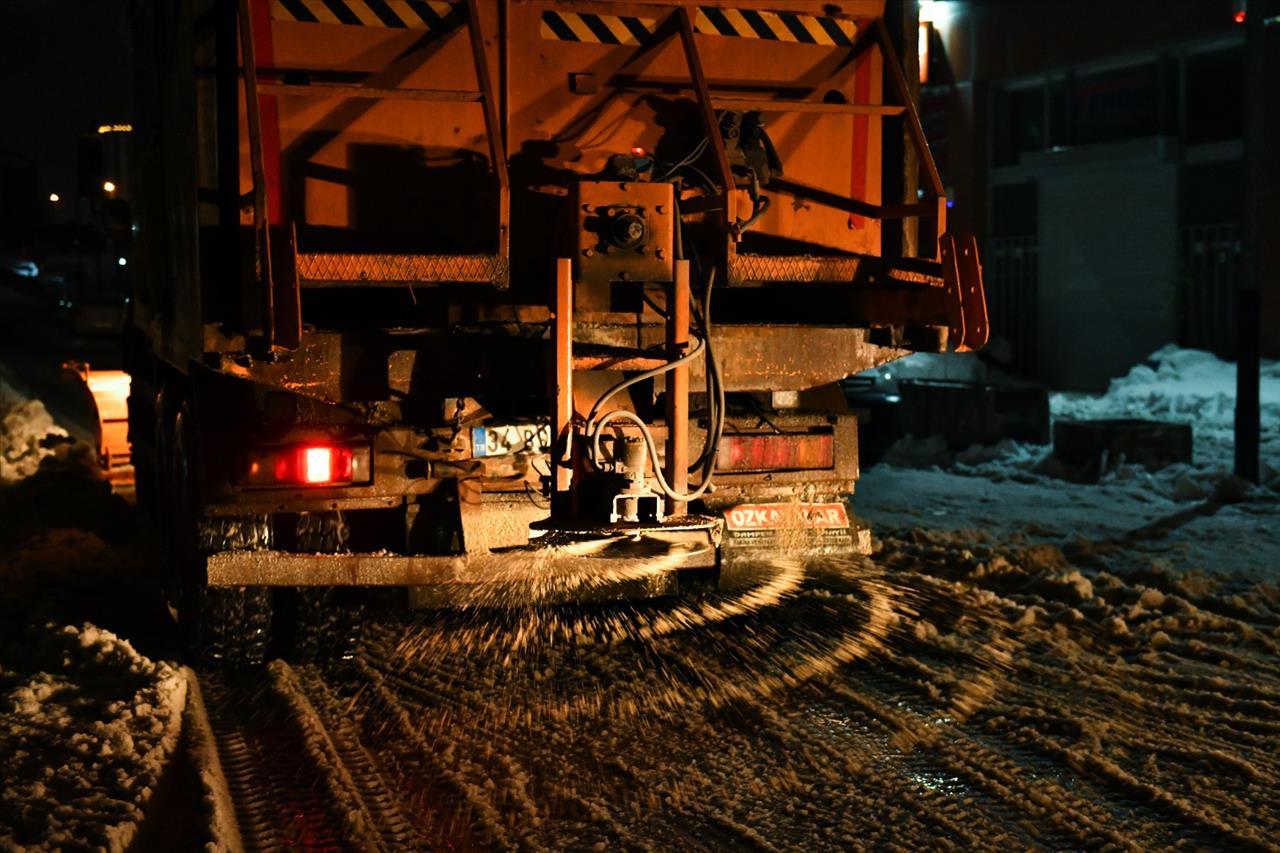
[(637, 151), (1239, 16)]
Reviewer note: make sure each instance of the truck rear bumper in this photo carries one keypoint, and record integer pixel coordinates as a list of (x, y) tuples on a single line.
[(551, 562), (283, 568)]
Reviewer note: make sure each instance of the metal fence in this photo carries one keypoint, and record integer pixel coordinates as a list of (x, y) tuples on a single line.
[(1209, 277), (1011, 269)]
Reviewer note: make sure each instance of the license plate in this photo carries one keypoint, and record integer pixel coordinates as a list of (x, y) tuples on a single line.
[(504, 440), (786, 516)]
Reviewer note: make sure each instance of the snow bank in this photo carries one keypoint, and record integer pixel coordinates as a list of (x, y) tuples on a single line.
[(1186, 386), (1173, 384), (87, 725), (24, 424)]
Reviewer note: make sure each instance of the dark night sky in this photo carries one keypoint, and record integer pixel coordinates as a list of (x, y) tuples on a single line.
[(66, 68)]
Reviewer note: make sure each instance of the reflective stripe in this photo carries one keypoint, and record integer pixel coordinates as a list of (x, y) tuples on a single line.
[(793, 27), (388, 14)]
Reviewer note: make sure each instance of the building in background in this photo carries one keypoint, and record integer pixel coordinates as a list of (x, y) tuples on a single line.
[(72, 247), (1096, 148), (20, 205)]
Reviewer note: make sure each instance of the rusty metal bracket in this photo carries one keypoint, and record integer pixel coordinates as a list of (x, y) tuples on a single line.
[(286, 325), (966, 298)]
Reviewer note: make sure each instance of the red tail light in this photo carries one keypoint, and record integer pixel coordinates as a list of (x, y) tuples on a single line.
[(776, 452), (307, 465)]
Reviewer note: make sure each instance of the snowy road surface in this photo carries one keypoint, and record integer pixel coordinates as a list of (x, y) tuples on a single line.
[(951, 692)]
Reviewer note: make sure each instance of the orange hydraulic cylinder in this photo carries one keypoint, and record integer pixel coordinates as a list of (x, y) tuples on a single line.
[(678, 387), (562, 343)]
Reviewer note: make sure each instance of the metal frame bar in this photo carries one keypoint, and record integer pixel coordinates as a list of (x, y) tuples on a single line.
[(903, 89), (562, 377), (326, 90), (684, 21), (678, 387), (230, 202), (853, 205), (286, 298), (253, 118), (788, 106), (493, 128)]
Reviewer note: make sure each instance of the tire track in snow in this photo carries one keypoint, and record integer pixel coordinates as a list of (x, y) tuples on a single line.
[(297, 779), (268, 773), (939, 703)]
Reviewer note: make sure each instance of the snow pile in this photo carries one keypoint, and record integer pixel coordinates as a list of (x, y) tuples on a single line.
[(1185, 386), (1173, 384), (24, 424), (86, 728)]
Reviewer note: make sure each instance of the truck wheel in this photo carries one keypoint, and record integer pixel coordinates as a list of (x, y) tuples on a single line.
[(326, 619), (227, 627), (231, 628), (328, 624)]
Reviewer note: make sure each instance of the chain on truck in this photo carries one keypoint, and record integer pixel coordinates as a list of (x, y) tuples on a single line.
[(429, 291)]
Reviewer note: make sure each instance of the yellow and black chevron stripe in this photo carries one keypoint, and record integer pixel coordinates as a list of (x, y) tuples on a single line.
[(395, 14), (775, 26), (597, 29), (712, 21)]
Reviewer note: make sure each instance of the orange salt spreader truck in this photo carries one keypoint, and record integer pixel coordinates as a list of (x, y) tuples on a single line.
[(456, 295)]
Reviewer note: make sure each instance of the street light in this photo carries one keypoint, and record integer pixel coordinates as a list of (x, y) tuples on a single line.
[(55, 198), (108, 187)]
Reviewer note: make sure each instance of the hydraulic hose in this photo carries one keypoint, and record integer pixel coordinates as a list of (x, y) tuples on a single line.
[(715, 404), (698, 346)]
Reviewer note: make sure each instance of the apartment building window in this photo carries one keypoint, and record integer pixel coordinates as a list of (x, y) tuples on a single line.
[(1020, 123), (1215, 96), (1121, 103)]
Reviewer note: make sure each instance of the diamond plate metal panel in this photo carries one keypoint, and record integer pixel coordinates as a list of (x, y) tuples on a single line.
[(748, 269), (397, 269)]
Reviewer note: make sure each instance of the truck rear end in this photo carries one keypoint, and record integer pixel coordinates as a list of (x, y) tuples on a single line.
[(431, 290)]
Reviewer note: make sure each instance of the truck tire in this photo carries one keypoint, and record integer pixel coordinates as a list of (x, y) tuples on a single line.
[(328, 624), (232, 627), (326, 620), (220, 627)]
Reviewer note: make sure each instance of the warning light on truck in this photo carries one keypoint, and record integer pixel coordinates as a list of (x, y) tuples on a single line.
[(776, 452), (307, 465), (318, 467)]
